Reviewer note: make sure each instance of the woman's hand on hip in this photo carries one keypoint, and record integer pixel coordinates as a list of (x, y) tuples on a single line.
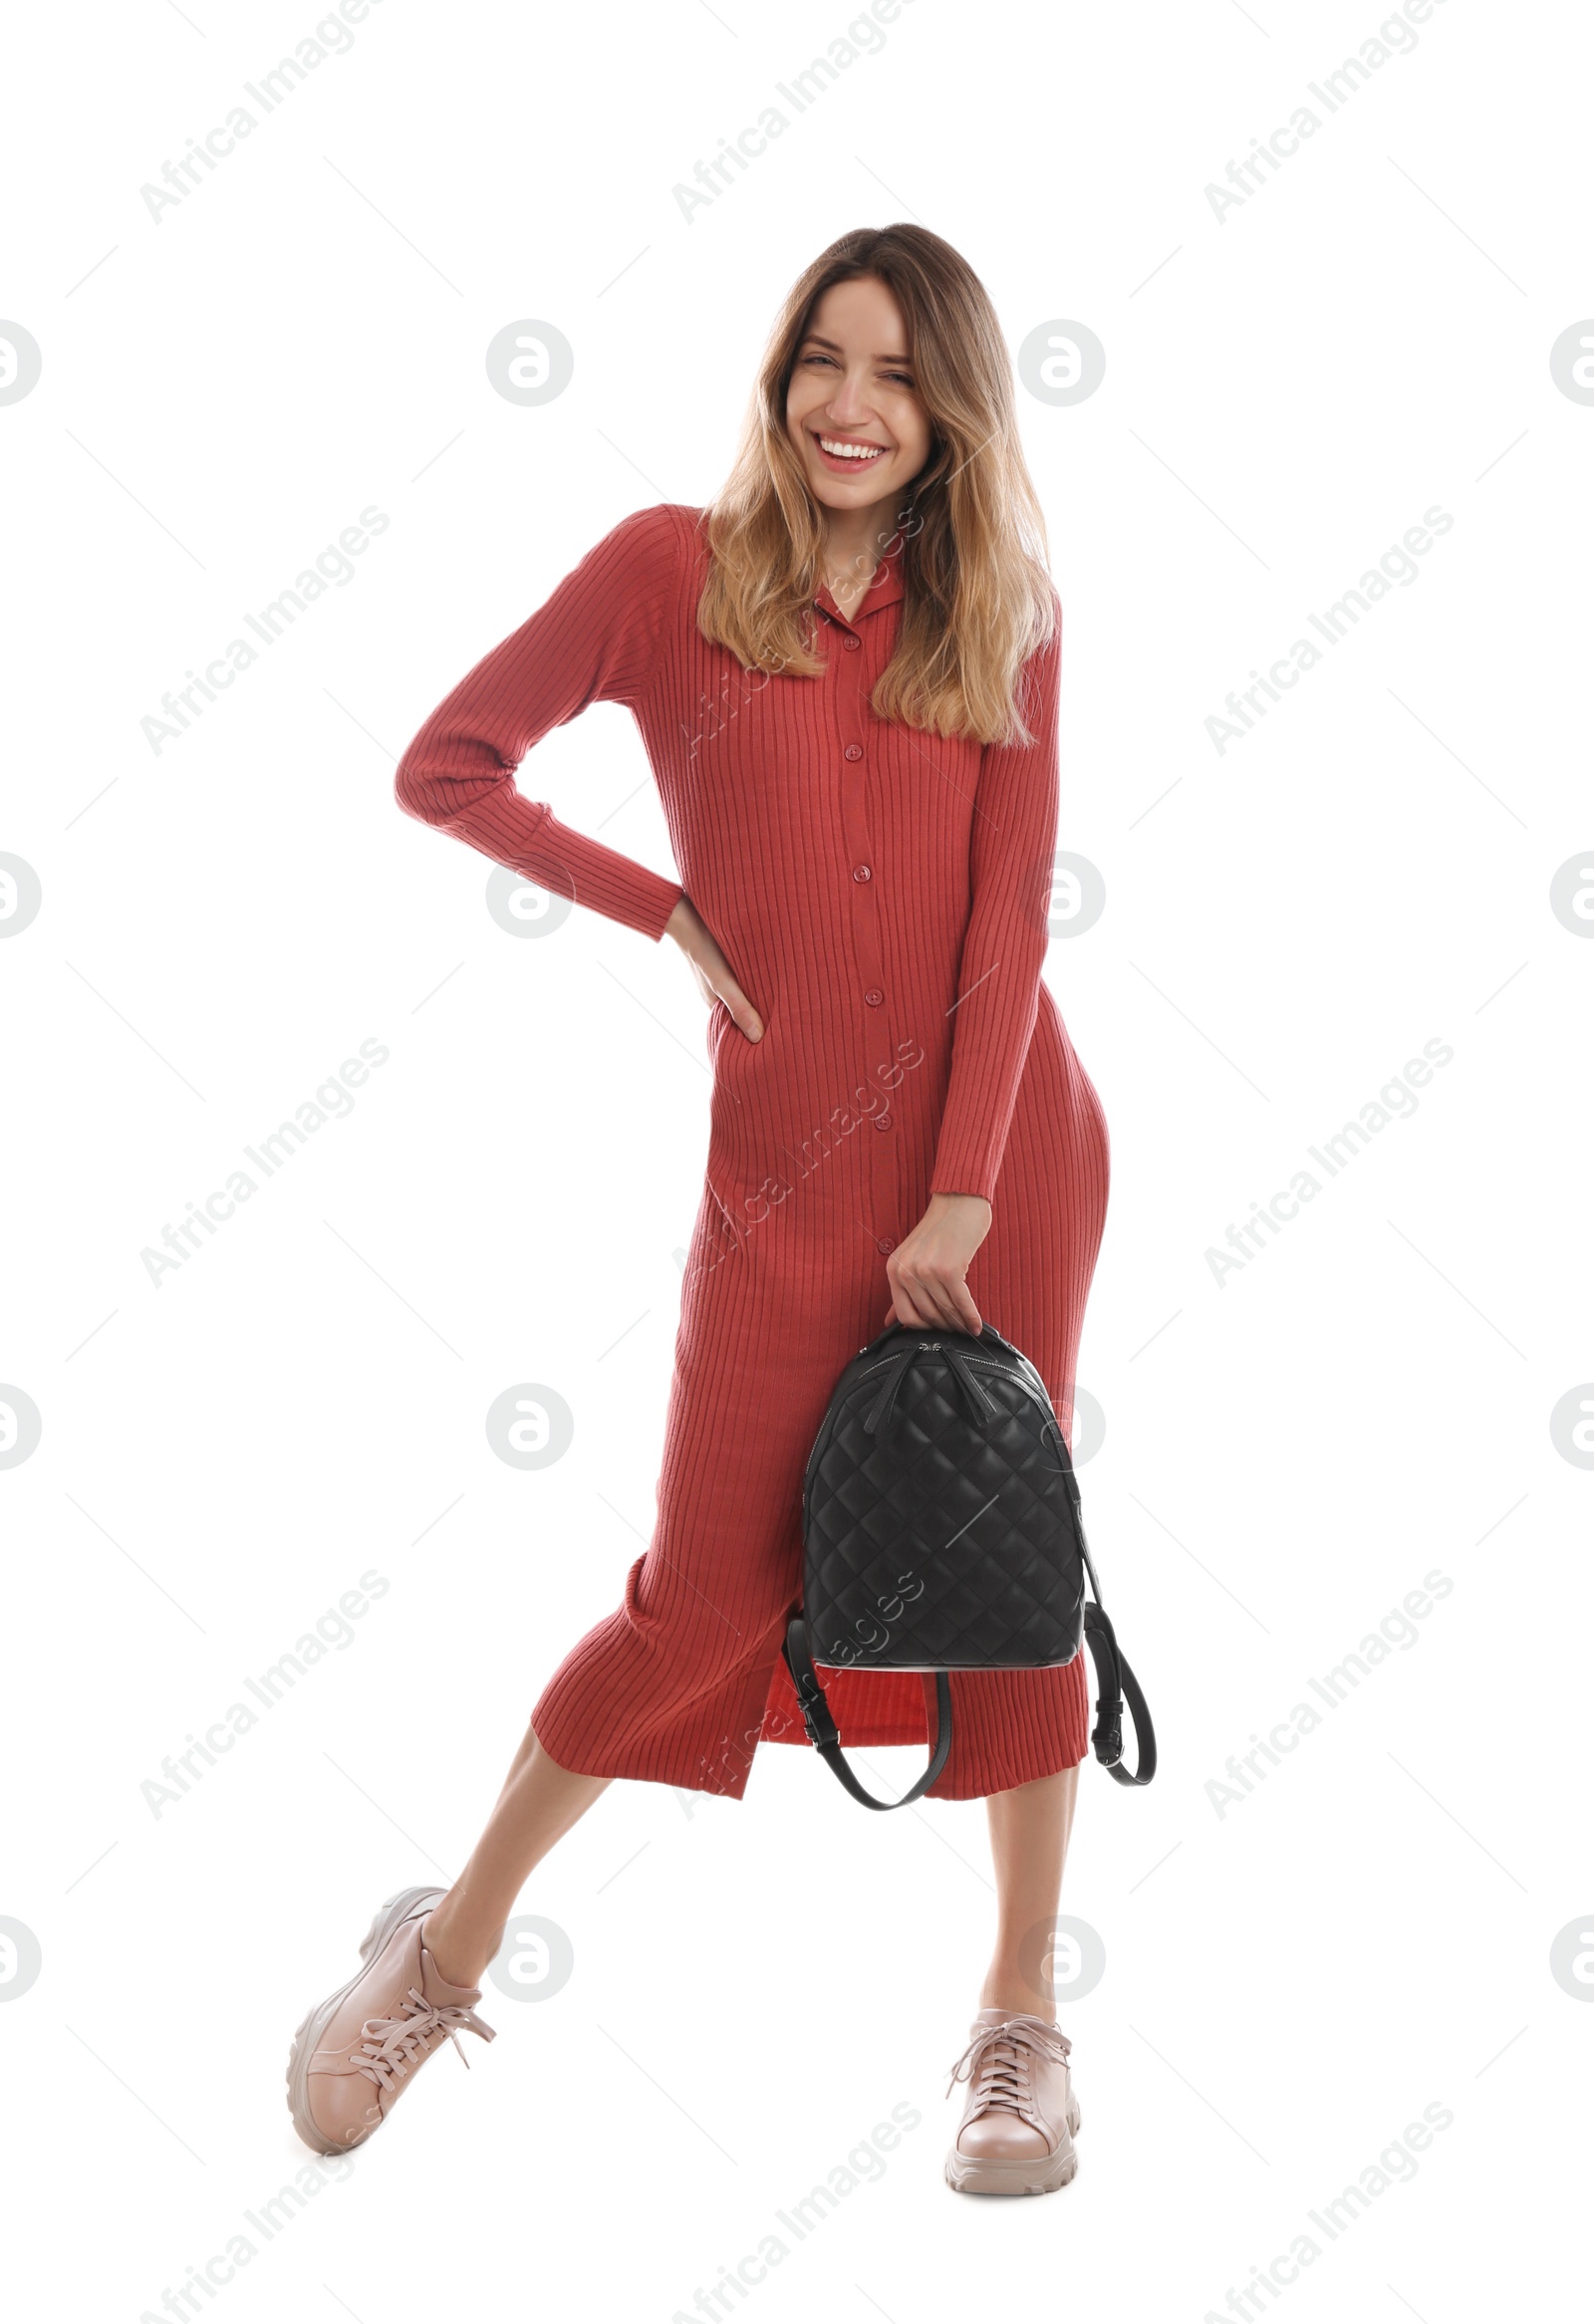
[(926, 1269), (711, 968)]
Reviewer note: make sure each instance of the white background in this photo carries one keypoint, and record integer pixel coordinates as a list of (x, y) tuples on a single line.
[(757, 1984)]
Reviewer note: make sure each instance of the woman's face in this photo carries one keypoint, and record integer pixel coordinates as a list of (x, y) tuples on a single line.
[(854, 384)]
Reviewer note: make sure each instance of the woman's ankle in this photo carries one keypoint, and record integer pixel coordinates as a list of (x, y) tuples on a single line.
[(457, 1960), (1008, 1992)]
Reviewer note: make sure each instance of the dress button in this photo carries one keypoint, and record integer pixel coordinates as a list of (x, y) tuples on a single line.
[(885, 1242), (874, 996), (853, 750), (862, 871), (850, 643), (882, 1121)]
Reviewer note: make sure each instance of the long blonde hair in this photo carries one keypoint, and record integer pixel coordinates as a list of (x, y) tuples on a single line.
[(977, 598)]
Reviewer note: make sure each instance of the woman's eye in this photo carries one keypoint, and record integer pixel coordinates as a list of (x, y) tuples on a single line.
[(901, 378)]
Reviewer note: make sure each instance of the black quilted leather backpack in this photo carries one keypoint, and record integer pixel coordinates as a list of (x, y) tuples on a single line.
[(942, 1532)]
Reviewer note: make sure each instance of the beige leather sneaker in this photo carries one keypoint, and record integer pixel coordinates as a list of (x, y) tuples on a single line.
[(356, 2053), (1017, 2132)]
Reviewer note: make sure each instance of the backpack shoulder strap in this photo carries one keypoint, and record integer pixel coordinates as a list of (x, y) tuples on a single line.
[(825, 1736), (1115, 1681)]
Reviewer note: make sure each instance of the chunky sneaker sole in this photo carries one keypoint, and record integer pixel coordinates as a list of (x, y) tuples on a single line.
[(307, 2038), (1021, 2173)]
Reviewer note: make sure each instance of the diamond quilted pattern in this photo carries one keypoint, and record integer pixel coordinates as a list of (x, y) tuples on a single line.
[(939, 1541)]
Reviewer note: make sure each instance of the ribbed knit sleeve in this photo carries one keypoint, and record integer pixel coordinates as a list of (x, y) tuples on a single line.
[(1005, 948), (597, 638)]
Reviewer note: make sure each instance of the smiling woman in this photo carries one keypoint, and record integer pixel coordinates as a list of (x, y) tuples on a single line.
[(898, 1129)]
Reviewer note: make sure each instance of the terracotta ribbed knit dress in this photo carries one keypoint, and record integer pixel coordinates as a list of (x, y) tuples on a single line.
[(882, 897)]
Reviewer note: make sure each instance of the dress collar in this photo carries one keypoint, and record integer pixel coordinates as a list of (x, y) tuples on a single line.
[(884, 590)]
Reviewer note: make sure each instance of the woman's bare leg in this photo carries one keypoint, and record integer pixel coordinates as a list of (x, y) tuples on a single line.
[(1029, 1829), (538, 1804)]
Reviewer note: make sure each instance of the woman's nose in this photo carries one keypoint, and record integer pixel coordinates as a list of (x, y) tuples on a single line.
[(848, 407)]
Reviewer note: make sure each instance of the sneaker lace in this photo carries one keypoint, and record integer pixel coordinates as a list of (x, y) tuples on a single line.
[(393, 2044), (998, 2064)]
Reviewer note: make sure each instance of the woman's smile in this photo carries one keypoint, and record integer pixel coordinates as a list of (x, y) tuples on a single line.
[(841, 453)]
